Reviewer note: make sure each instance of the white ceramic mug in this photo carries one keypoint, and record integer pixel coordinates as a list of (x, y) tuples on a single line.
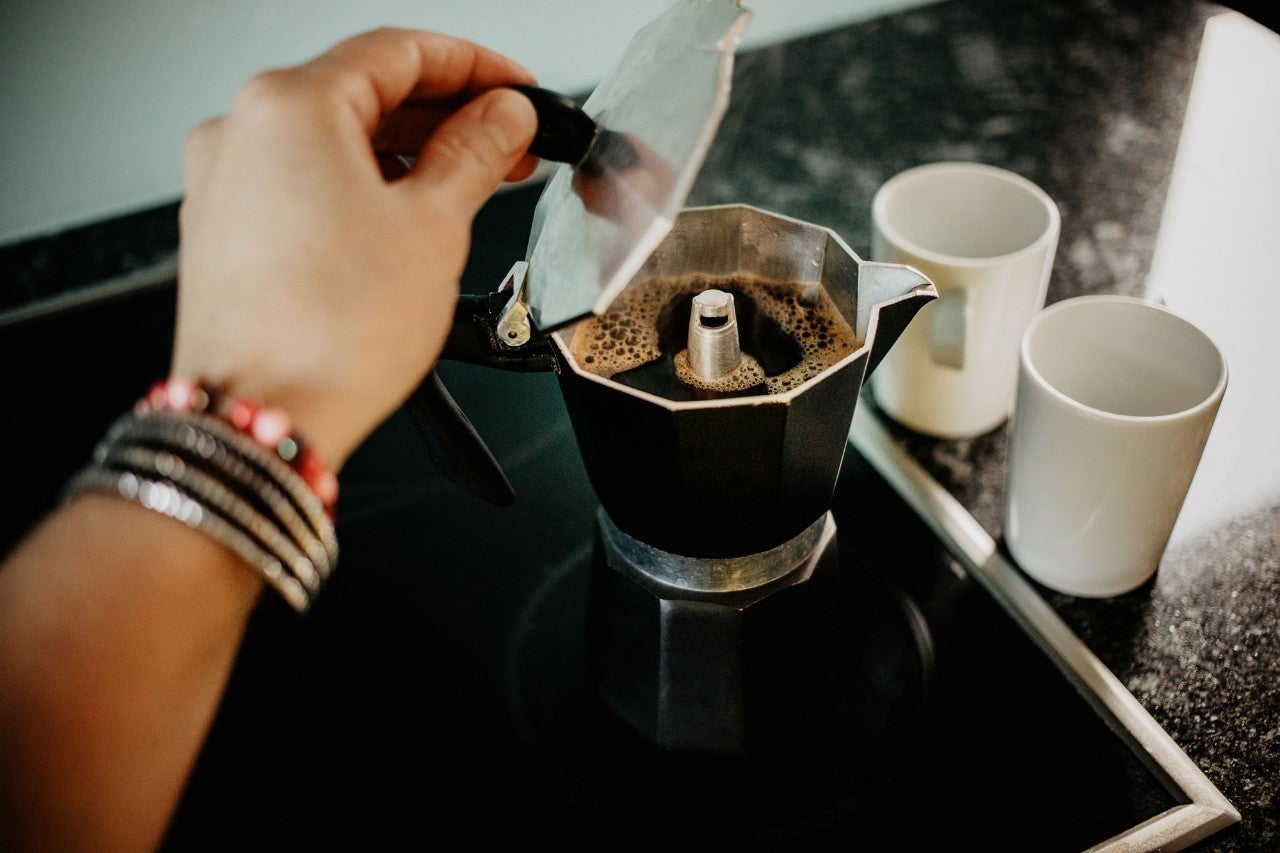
[(986, 237), (1115, 401)]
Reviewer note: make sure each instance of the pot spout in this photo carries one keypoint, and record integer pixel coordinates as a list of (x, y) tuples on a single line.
[(889, 296)]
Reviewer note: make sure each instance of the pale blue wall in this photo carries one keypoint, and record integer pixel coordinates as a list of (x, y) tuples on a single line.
[(96, 97)]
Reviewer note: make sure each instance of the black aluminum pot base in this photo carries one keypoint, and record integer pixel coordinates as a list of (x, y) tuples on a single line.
[(820, 782)]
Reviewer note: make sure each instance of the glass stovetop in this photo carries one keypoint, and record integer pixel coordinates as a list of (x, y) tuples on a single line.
[(441, 683), (438, 688)]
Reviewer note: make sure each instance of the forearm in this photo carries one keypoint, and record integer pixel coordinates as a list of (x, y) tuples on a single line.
[(118, 626), (118, 629)]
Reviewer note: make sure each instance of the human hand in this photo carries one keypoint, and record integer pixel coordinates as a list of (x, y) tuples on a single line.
[(307, 280)]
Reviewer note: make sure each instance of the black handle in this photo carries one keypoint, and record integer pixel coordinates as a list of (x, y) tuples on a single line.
[(452, 441), (453, 444), (565, 132)]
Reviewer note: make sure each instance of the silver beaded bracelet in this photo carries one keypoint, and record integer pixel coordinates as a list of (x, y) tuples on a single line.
[(297, 510), (169, 500), (214, 495), (194, 468)]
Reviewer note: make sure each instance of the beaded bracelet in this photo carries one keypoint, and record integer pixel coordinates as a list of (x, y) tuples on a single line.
[(271, 428), (215, 496), (197, 438), (169, 500), (230, 468)]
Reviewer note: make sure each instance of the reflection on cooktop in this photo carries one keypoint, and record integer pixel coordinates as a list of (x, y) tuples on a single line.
[(442, 682), (438, 687), (810, 781)]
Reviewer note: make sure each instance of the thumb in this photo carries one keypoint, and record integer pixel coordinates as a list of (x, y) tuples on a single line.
[(471, 152)]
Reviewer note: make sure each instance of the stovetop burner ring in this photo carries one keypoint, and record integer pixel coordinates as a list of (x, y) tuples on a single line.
[(822, 783)]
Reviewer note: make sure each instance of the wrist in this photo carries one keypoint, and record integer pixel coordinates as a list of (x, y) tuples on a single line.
[(269, 426), (332, 419), (231, 468)]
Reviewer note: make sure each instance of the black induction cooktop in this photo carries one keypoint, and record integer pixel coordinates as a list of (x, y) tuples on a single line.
[(439, 688)]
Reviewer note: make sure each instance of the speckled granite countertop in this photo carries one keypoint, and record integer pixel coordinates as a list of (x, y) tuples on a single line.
[(1087, 98)]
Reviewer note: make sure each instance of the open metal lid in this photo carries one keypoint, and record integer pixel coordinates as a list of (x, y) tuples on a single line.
[(658, 111)]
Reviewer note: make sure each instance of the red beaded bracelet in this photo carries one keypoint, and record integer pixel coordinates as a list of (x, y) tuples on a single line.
[(269, 427)]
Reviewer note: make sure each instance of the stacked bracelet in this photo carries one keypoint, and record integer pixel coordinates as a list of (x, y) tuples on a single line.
[(270, 428), (232, 469)]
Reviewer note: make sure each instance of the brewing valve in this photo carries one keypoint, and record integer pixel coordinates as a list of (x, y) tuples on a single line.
[(714, 351)]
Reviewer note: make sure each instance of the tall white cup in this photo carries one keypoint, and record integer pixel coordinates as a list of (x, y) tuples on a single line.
[(986, 237), (1115, 401)]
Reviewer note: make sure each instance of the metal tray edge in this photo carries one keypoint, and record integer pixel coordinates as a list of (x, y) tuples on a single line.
[(1175, 829)]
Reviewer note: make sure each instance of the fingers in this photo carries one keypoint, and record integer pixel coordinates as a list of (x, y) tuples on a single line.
[(404, 83), (523, 169), (376, 71), (414, 93), (472, 151), (405, 129)]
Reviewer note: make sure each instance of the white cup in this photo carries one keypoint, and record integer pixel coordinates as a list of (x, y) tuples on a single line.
[(986, 237), (1116, 397)]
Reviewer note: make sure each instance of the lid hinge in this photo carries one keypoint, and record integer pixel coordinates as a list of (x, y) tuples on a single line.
[(514, 326)]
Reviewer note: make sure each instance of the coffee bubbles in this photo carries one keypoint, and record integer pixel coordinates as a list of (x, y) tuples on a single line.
[(789, 333)]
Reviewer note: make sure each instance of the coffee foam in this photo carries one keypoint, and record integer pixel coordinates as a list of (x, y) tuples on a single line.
[(626, 336), (748, 374)]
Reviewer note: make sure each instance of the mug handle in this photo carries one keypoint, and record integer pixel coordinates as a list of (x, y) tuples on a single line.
[(947, 330)]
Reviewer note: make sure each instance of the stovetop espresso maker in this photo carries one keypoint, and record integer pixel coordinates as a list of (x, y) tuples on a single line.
[(710, 359)]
